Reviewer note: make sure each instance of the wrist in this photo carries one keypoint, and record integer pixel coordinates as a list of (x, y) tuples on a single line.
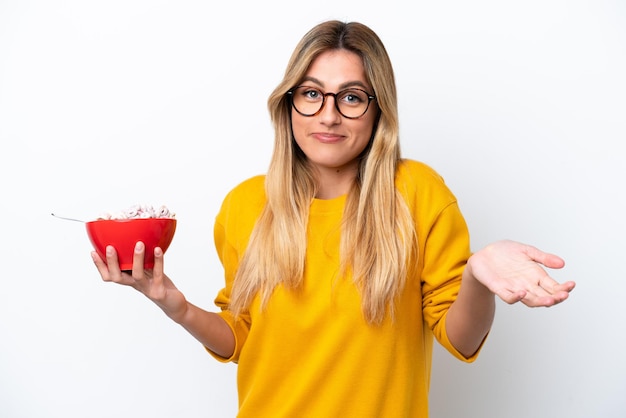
[(471, 279), (180, 314)]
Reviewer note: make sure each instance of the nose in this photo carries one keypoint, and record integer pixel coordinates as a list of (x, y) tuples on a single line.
[(329, 113)]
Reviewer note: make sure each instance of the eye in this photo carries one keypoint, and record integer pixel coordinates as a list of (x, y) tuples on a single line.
[(352, 97), (310, 93)]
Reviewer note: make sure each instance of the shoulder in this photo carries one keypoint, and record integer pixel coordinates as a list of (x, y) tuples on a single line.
[(433, 205), (251, 188), (247, 196), (415, 171), (423, 189), (415, 177)]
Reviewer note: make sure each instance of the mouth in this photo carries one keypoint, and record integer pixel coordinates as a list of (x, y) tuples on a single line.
[(328, 138)]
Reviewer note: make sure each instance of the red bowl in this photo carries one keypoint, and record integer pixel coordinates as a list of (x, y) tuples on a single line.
[(123, 234)]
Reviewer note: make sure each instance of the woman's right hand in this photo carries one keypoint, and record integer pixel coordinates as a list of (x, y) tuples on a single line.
[(153, 283)]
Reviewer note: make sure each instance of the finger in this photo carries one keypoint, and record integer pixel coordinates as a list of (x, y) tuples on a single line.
[(560, 291), (563, 287), (544, 293), (101, 266), (157, 270), (112, 263), (110, 269), (138, 258), (544, 301), (540, 297), (511, 296), (549, 260)]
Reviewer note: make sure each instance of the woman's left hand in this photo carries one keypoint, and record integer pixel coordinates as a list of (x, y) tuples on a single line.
[(514, 272)]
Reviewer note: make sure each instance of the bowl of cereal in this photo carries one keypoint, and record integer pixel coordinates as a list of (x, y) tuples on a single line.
[(122, 230)]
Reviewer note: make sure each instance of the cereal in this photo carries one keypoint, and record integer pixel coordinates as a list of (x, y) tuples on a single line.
[(139, 212)]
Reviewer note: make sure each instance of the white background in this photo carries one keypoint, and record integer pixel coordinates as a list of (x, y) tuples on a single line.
[(519, 105)]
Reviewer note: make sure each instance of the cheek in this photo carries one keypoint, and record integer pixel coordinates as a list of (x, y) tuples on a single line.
[(369, 129)]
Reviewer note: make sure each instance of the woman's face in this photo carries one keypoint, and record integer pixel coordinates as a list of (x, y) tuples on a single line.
[(329, 140)]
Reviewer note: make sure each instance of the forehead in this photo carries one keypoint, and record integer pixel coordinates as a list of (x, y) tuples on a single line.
[(337, 68)]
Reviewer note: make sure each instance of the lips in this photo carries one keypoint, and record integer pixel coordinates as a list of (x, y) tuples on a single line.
[(328, 138)]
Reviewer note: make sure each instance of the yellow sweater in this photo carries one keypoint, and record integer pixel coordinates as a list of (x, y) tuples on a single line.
[(311, 354)]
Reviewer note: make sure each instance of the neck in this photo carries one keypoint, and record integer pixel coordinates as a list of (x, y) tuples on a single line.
[(334, 182)]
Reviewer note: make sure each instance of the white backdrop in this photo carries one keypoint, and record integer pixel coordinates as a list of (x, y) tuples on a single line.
[(519, 105)]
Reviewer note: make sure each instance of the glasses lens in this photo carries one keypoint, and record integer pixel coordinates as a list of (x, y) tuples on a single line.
[(307, 100), (352, 103)]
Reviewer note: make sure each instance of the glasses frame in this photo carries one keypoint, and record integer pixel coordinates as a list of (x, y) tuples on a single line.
[(291, 91)]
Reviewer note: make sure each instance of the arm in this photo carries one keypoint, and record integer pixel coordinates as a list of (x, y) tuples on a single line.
[(510, 270), (207, 327)]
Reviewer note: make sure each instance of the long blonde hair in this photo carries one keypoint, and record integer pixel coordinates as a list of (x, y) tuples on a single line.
[(377, 231)]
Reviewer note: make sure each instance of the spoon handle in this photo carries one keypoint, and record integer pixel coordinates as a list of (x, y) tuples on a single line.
[(67, 219)]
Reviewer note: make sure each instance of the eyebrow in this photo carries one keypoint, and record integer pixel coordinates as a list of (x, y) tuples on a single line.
[(342, 86)]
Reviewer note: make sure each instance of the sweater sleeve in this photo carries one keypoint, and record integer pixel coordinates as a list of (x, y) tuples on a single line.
[(240, 326), (443, 245), (233, 226), (446, 251)]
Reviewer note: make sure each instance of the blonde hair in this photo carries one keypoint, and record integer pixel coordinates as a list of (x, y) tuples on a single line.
[(377, 230)]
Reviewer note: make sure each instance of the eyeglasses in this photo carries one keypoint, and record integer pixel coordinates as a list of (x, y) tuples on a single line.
[(351, 103)]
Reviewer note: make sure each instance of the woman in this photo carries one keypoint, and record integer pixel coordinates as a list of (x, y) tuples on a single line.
[(344, 261)]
